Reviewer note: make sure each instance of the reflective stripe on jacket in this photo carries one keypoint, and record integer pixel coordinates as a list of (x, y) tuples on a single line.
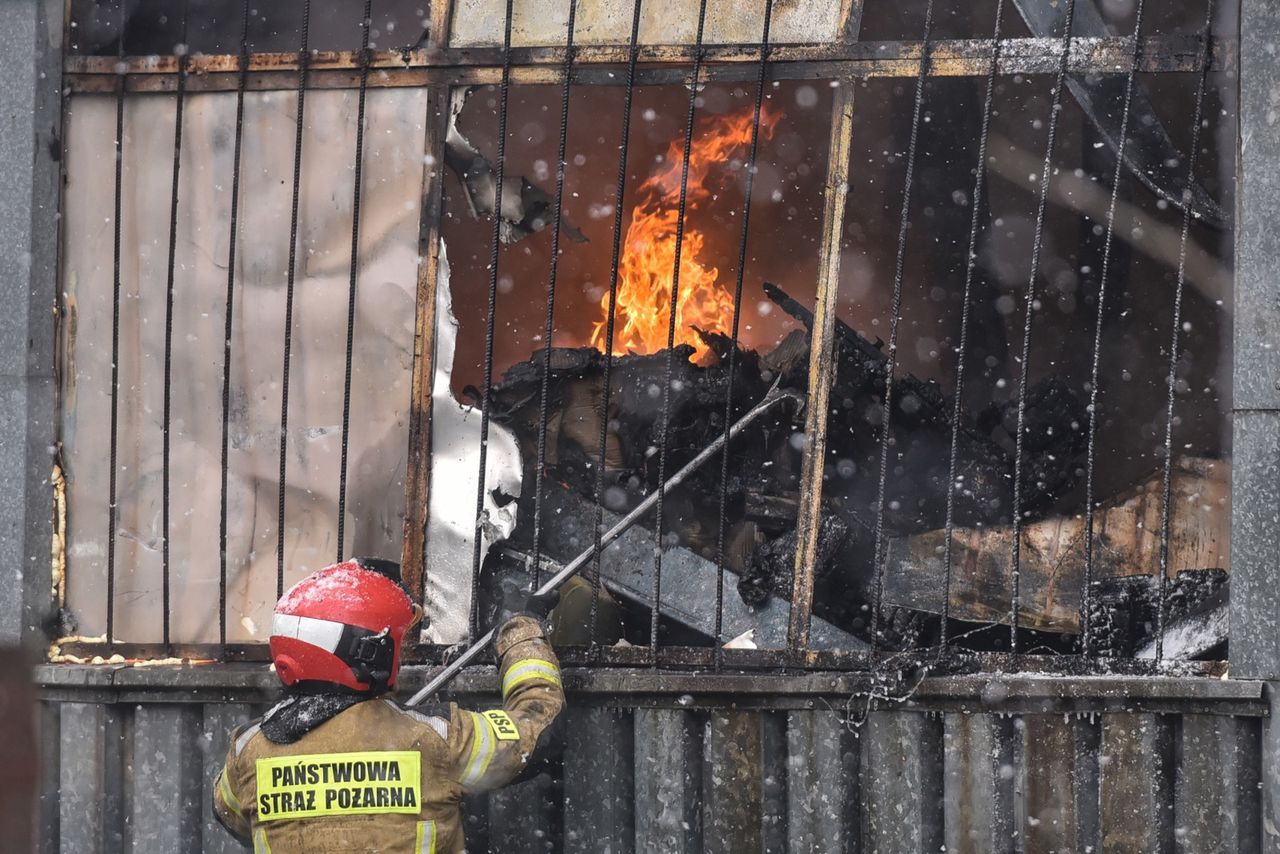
[(377, 777)]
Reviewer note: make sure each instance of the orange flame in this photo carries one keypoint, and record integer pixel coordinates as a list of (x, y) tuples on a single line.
[(649, 254)]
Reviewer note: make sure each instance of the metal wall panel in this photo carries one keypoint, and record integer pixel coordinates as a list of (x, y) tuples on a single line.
[(136, 776)]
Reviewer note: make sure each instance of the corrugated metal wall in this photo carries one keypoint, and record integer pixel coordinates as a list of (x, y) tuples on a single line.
[(1126, 765)]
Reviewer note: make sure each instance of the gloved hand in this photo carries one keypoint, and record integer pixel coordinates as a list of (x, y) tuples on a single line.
[(516, 602)]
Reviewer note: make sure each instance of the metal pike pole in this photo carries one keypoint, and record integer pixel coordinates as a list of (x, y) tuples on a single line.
[(774, 396)]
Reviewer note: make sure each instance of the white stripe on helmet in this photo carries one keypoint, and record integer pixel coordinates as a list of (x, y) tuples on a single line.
[(324, 634)]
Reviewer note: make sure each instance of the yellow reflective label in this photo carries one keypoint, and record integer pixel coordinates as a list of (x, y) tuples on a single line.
[(503, 726), (320, 784)]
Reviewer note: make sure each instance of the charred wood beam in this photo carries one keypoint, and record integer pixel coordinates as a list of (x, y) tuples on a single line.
[(418, 461), (822, 370), (948, 58)]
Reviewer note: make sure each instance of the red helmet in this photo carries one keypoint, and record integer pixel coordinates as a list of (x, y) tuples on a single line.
[(343, 625)]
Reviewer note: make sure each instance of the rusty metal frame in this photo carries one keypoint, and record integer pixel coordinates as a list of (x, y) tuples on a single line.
[(439, 67), (658, 64), (644, 688)]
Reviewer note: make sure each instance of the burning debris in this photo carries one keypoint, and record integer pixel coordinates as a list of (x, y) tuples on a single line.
[(756, 539), (643, 308), (761, 496)]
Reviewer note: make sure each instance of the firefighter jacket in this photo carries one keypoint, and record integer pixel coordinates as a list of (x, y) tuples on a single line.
[(378, 777)]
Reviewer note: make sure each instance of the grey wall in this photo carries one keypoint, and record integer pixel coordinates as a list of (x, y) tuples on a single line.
[(30, 146)]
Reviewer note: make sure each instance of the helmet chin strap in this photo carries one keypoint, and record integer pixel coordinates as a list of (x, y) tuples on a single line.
[(371, 658)]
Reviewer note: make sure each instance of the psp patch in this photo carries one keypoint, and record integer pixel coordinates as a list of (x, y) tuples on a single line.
[(503, 727), (325, 784)]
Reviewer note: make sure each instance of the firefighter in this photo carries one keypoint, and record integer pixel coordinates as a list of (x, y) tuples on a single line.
[(338, 765)]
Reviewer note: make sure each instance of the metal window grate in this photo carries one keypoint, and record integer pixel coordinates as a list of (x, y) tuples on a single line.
[(1065, 55)]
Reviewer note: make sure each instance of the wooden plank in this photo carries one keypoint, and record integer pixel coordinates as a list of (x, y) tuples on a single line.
[(821, 366), (216, 722), (970, 770), (1049, 785), (84, 823), (902, 782), (733, 795), (599, 781), (668, 781), (164, 810), (417, 482), (1136, 789), (823, 756)]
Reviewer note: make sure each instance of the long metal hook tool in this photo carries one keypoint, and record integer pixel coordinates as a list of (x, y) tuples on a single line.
[(770, 400)]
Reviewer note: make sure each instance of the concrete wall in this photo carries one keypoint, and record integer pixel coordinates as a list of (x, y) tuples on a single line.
[(30, 148)]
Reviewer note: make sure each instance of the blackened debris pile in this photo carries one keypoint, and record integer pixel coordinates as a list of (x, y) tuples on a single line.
[(761, 492)]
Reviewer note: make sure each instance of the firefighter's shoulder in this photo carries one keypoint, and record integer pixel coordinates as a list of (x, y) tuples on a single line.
[(433, 716), (243, 734)]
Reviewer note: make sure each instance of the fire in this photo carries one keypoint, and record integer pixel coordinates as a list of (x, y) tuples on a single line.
[(648, 256)]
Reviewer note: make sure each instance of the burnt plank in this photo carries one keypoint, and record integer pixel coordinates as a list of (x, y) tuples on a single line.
[(599, 781), (733, 783), (821, 368), (216, 722), (902, 782), (1049, 785), (1136, 790), (418, 463), (970, 771), (822, 783), (668, 781), (164, 811)]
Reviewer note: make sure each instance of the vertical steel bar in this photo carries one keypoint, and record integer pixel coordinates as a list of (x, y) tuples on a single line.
[(633, 54), (752, 154), (895, 316), (365, 24), (971, 262), (227, 320), (1086, 593), (504, 91), (1166, 490), (115, 339), (304, 56), (1038, 244), (694, 77), (168, 323), (549, 329), (821, 366)]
